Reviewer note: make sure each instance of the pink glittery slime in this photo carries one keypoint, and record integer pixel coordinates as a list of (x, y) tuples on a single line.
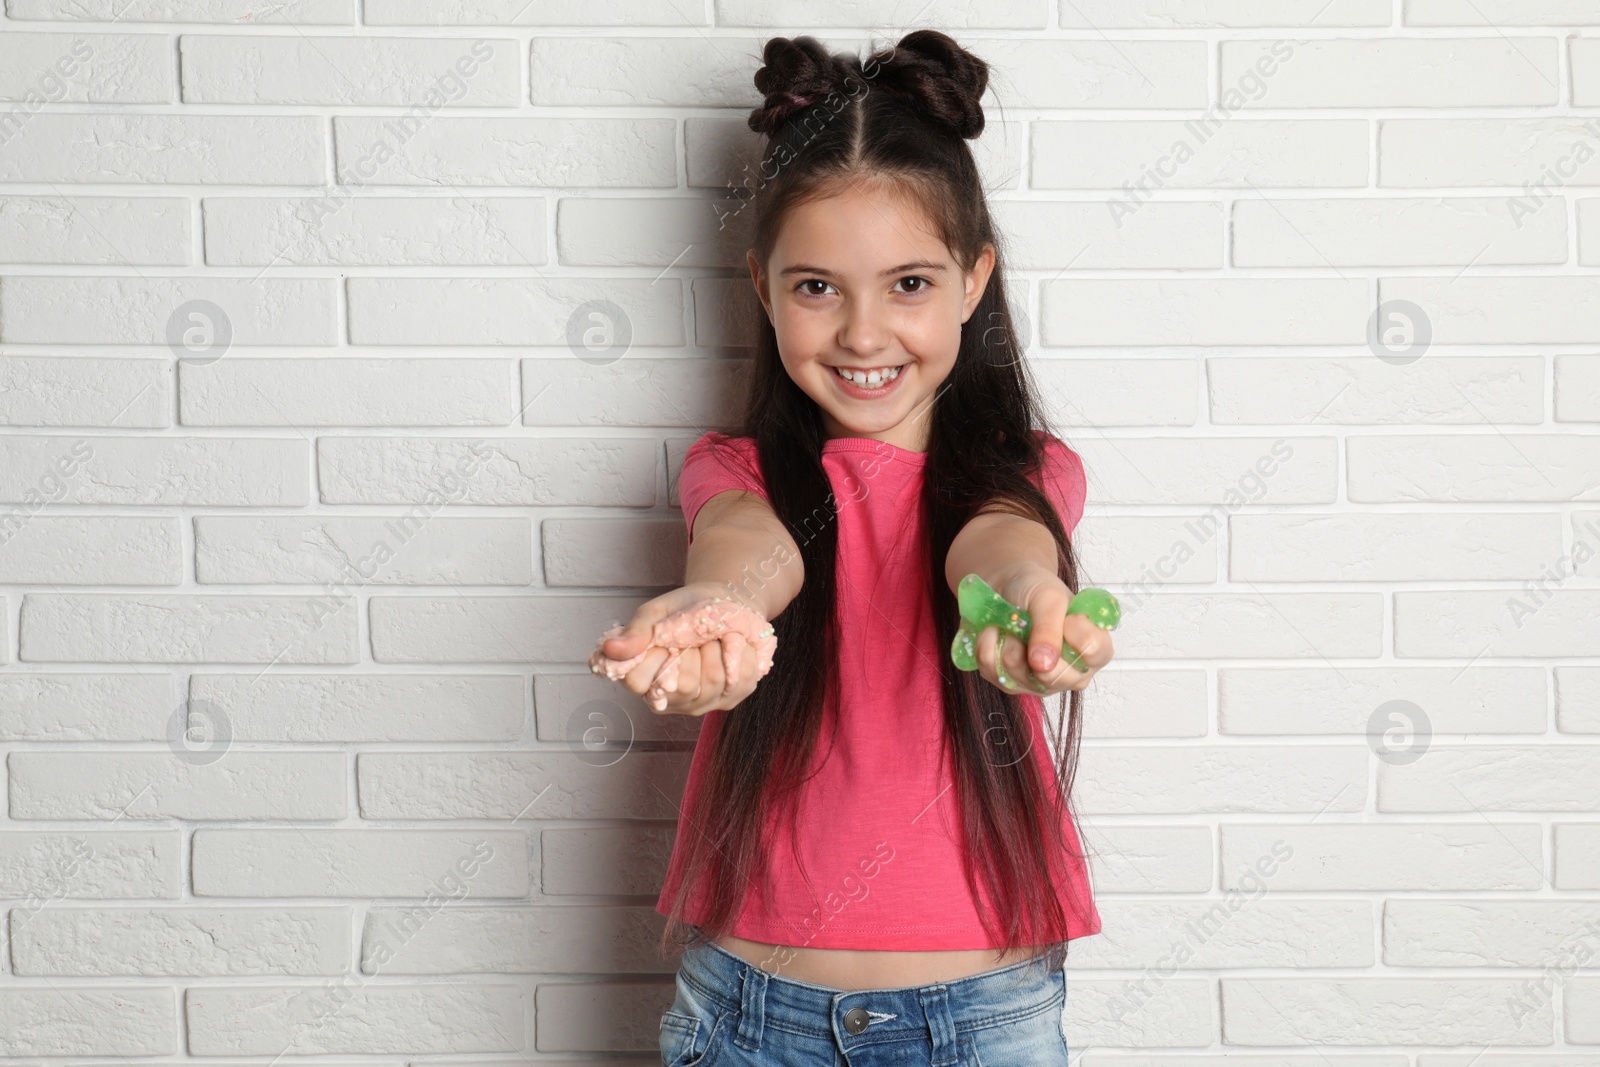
[(699, 624)]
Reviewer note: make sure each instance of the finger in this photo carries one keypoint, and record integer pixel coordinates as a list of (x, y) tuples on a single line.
[(730, 645), (1014, 658), (1062, 676), (714, 676), (749, 671), (985, 646), (1093, 644), (635, 635), (691, 674), (991, 648), (1005, 667), (749, 666), (641, 628), (749, 677), (644, 672), (1012, 666), (1048, 606)]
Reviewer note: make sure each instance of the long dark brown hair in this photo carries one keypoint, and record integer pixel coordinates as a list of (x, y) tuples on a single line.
[(899, 121)]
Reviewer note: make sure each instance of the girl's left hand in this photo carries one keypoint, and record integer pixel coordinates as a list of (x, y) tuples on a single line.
[(1045, 597)]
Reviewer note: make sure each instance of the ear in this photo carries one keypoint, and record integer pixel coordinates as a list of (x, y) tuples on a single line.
[(758, 281), (977, 280)]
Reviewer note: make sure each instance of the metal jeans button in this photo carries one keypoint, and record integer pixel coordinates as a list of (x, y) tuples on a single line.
[(855, 1020)]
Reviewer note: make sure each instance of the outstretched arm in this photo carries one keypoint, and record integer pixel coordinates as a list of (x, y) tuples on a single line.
[(739, 542), (993, 541)]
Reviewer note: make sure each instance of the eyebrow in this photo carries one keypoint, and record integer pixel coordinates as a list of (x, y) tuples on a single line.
[(806, 268)]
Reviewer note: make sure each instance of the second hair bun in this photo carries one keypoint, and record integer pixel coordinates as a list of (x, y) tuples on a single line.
[(934, 73)]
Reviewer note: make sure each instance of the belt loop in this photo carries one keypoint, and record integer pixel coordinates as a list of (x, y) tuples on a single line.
[(941, 1024), (752, 1008)]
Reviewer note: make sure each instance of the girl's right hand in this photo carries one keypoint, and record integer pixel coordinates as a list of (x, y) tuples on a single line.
[(702, 682)]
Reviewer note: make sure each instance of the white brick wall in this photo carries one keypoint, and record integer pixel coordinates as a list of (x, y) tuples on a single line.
[(361, 549)]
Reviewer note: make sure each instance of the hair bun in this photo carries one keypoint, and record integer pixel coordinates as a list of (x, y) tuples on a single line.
[(796, 73), (929, 70)]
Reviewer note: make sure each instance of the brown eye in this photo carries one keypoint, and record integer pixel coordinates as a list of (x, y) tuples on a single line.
[(811, 281), (915, 278)]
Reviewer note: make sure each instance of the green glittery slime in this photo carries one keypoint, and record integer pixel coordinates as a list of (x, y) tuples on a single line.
[(981, 607)]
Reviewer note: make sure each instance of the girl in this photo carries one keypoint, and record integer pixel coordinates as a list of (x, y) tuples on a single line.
[(917, 908)]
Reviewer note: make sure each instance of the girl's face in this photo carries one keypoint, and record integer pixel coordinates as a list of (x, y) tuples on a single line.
[(859, 281)]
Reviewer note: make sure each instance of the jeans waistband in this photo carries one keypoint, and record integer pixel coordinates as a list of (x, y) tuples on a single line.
[(760, 999)]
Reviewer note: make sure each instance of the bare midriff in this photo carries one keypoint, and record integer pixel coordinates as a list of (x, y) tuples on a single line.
[(853, 969)]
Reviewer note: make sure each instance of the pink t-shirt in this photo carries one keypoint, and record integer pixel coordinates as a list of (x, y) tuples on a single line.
[(878, 825)]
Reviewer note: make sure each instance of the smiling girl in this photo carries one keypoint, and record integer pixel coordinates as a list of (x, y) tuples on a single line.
[(876, 860)]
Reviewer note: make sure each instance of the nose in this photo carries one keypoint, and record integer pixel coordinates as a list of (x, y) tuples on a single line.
[(864, 330)]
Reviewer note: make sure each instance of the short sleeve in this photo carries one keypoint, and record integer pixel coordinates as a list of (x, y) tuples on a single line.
[(1063, 481), (714, 464)]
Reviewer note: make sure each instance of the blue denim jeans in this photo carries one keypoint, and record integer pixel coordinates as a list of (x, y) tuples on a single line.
[(730, 1012)]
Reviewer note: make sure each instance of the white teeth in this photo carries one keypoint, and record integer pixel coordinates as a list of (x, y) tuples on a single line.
[(876, 376)]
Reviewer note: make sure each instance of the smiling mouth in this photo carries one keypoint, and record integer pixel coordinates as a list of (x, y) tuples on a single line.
[(872, 378)]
